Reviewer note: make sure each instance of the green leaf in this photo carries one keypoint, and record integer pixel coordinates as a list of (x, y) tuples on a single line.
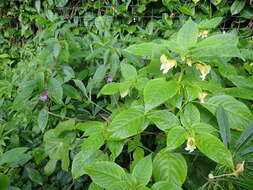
[(190, 115), (236, 92), (93, 142), (224, 126), (15, 157), (165, 185), (170, 167), (210, 23), (25, 92), (241, 81), (143, 170), (115, 147), (34, 175), (127, 123), (110, 88), (81, 86), (128, 71), (55, 90), (214, 149), (237, 6), (219, 45), (4, 182), (203, 128), (188, 35), (157, 91), (239, 116), (163, 119), (71, 92), (90, 127), (119, 185), (144, 49), (43, 118), (99, 74), (94, 186), (176, 137), (245, 136), (105, 173)]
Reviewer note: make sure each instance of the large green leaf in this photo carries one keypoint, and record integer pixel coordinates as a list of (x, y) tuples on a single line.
[(169, 167), (214, 149), (94, 186), (43, 118), (243, 93), (127, 123), (128, 71), (110, 88), (220, 45), (157, 91), (239, 116), (163, 119), (143, 170), (165, 185), (210, 23), (187, 35), (237, 6), (176, 137), (105, 173), (190, 115), (34, 175), (71, 92), (55, 90)]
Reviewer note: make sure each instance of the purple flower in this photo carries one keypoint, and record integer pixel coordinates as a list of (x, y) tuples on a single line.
[(44, 96), (109, 78)]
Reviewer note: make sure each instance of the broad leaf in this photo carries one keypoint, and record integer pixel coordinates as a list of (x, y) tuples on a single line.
[(71, 92), (187, 35), (157, 91), (210, 23), (190, 115), (128, 71), (237, 6), (110, 88), (127, 123), (176, 137), (55, 90), (169, 167), (34, 175), (163, 119), (94, 186), (239, 116), (105, 173), (165, 185), (214, 149), (143, 170), (43, 118)]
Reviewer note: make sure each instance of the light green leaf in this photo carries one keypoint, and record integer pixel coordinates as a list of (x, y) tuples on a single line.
[(105, 173), (99, 74), (165, 185), (239, 116), (81, 86), (115, 147), (219, 45), (127, 123), (55, 90), (119, 185), (94, 186), (210, 23), (190, 115), (237, 6), (214, 149), (241, 81), (93, 142), (203, 128), (128, 71), (71, 92), (157, 91), (24, 92), (90, 127), (237, 92), (143, 170), (169, 167), (176, 137), (110, 88), (188, 35), (43, 118), (34, 175), (163, 119)]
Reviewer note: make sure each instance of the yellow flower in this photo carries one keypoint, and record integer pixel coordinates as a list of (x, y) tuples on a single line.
[(202, 96), (125, 93), (195, 1), (203, 34), (189, 62), (167, 64), (239, 169), (204, 70), (190, 144)]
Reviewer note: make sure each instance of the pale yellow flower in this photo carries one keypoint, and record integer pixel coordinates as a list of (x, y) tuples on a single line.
[(203, 34), (167, 64), (189, 62), (204, 70), (239, 169), (190, 144), (202, 96), (125, 93), (251, 64), (195, 1)]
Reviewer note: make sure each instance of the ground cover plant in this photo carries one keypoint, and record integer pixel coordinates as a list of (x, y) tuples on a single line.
[(126, 95)]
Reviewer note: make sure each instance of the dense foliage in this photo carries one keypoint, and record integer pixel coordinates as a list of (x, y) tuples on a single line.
[(126, 95)]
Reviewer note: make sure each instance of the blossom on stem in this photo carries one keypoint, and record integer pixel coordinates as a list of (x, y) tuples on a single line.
[(44, 96), (109, 78), (167, 64), (203, 34), (190, 146), (204, 70), (202, 96)]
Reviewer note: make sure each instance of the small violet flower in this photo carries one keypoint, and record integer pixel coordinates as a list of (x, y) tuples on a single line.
[(44, 96), (109, 78), (190, 144)]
